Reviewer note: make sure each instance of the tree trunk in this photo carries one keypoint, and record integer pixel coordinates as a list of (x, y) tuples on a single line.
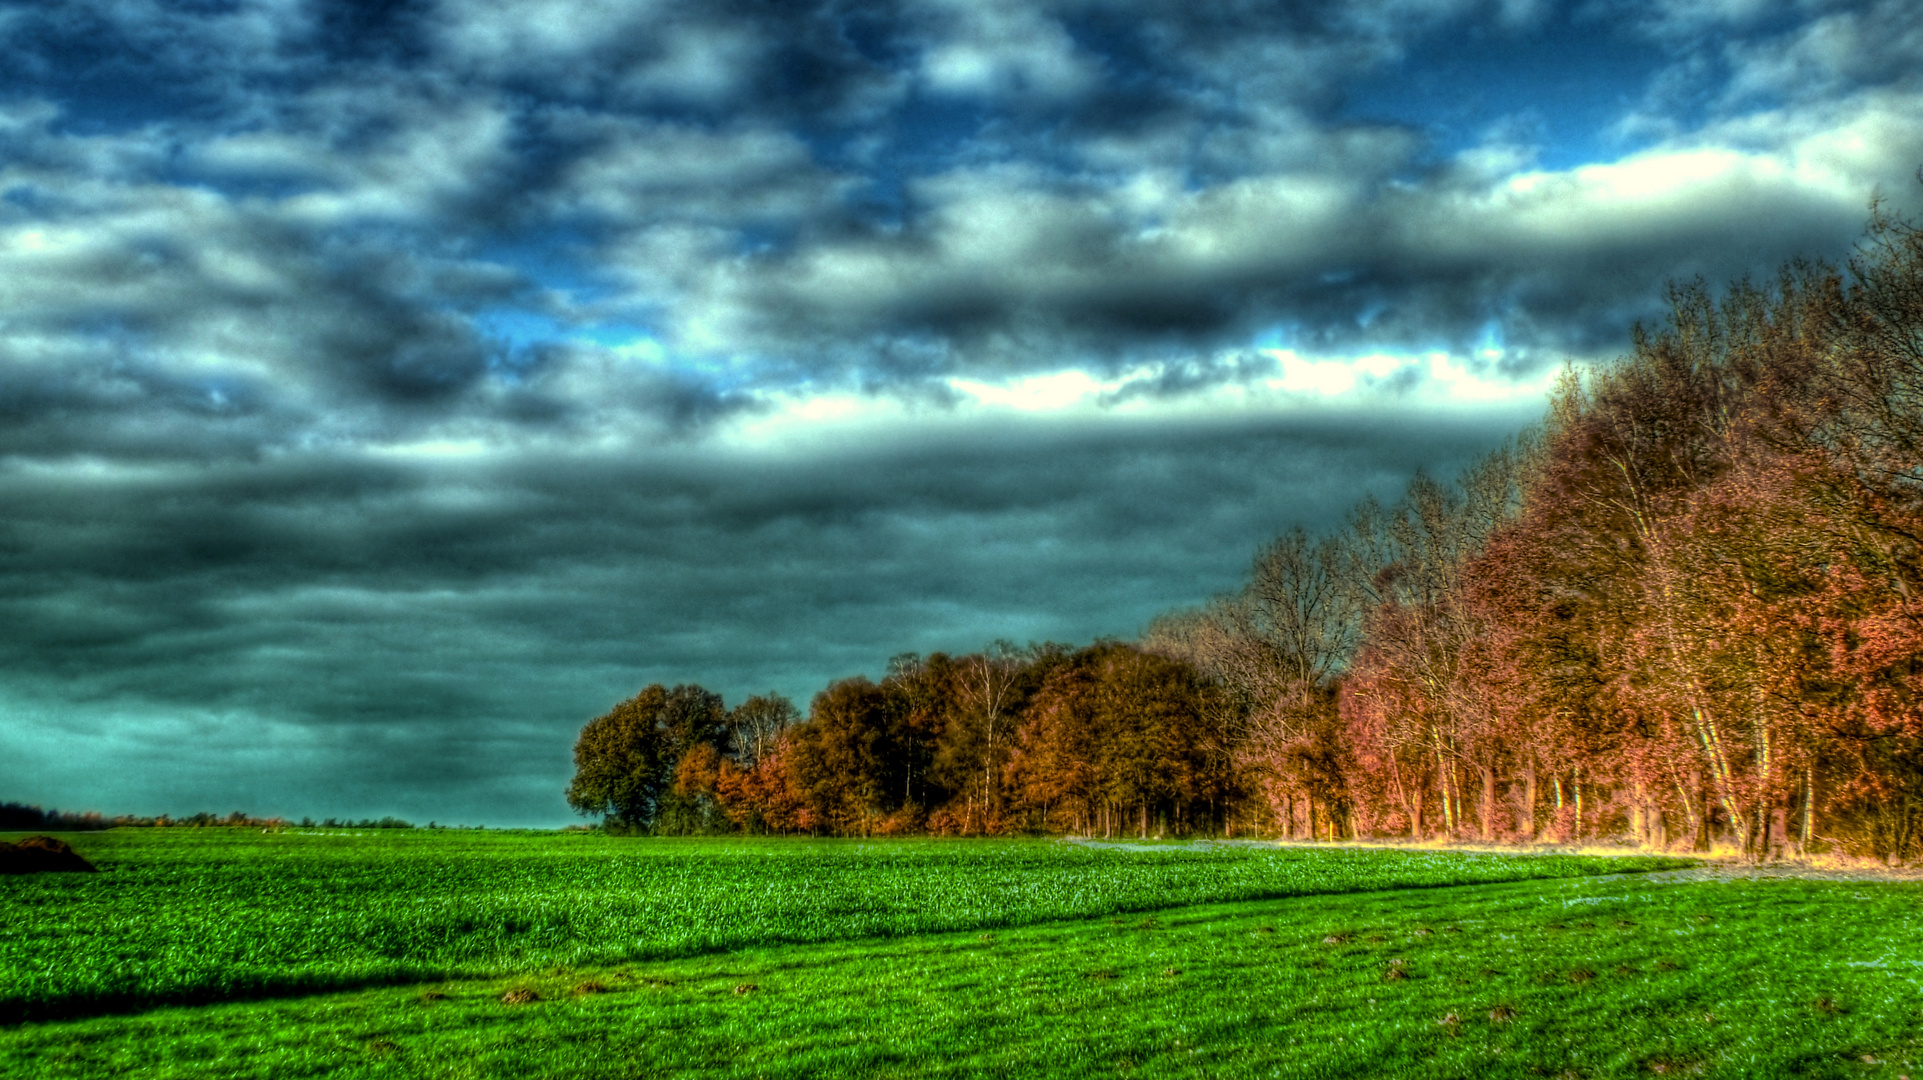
[(1488, 804), (1638, 828), (1809, 806), (1696, 812), (1689, 812), (1529, 804), (1575, 786)]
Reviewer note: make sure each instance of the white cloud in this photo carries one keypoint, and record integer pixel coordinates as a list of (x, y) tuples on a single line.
[(1001, 48), (1333, 377), (334, 226), (1830, 56), (1053, 391), (650, 49), (711, 63), (505, 35), (215, 42), (645, 172), (438, 154)]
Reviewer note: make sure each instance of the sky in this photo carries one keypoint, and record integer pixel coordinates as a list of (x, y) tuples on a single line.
[(388, 389)]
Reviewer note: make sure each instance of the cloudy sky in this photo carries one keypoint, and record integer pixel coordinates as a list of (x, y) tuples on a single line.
[(385, 390)]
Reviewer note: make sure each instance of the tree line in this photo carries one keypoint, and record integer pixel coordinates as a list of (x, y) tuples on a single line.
[(1686, 608), (1103, 739), (21, 817)]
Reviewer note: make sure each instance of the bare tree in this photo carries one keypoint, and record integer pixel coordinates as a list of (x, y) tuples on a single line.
[(986, 684), (757, 722)]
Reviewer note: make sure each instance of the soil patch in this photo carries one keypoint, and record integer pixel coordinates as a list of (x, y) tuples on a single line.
[(42, 855)]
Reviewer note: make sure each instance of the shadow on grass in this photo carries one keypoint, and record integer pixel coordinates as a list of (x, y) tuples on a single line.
[(85, 1005)]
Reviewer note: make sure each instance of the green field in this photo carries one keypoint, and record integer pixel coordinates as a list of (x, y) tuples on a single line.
[(215, 953)]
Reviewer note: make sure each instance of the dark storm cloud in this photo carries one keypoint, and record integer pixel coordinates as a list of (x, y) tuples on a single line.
[(354, 604), (1176, 380), (385, 389)]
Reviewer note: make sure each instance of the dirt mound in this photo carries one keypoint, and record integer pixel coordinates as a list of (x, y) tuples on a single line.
[(41, 855)]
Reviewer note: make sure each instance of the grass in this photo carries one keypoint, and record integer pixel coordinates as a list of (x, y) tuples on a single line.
[(203, 915), (1574, 976)]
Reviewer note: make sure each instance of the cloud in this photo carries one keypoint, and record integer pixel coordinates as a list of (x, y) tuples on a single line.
[(637, 173), (1019, 269), (714, 59), (460, 615), (1830, 56), (384, 389), (519, 163), (1006, 49)]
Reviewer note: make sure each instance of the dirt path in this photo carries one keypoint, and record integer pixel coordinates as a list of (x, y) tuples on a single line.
[(1737, 871), (1711, 867)]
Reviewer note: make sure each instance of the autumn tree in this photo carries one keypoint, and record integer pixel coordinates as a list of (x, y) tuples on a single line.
[(1115, 737), (922, 706), (981, 695), (625, 759), (1051, 765), (1848, 412), (694, 726), (1275, 648), (755, 724), (763, 796), (1414, 700), (844, 763)]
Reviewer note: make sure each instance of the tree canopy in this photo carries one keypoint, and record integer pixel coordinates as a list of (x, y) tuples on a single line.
[(1686, 608)]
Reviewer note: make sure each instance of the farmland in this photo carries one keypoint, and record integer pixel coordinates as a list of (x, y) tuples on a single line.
[(207, 914), (216, 953)]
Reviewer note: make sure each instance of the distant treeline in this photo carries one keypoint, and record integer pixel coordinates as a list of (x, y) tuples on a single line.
[(1045, 738), (363, 823), (18, 817), (1686, 609)]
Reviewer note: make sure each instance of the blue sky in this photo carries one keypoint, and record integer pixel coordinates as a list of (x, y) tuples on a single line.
[(385, 390)]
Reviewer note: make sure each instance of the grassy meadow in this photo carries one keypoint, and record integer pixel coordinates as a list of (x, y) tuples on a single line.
[(217, 953)]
